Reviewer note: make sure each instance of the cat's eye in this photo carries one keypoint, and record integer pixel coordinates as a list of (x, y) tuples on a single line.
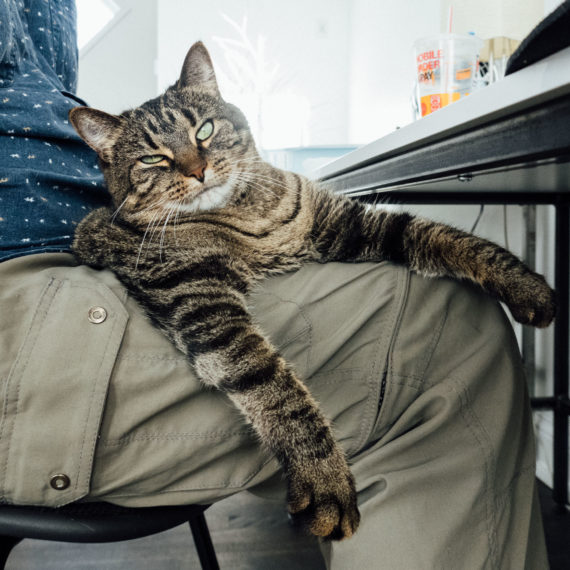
[(205, 131), (152, 158)]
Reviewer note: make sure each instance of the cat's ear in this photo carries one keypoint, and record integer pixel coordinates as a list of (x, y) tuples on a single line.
[(97, 128), (198, 69)]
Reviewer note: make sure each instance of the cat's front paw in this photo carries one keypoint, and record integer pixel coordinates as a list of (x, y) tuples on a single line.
[(90, 237), (322, 498), (101, 243), (532, 302)]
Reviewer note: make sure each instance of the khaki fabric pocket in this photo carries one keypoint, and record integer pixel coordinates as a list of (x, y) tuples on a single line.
[(61, 339)]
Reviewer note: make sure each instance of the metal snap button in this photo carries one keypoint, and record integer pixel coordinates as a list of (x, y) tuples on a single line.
[(60, 482), (97, 315)]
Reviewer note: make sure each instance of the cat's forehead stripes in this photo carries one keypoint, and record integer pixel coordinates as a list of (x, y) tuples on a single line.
[(149, 141), (189, 115), (173, 114)]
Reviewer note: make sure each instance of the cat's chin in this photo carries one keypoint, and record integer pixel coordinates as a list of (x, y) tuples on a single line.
[(209, 199)]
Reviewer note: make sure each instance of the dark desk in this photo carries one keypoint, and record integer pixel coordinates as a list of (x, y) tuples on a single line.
[(506, 144)]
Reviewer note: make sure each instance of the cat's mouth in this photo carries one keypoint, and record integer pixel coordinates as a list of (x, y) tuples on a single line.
[(195, 194), (209, 197)]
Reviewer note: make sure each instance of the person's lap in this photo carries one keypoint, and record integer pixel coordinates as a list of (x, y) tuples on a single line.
[(164, 438), (422, 380), (448, 479)]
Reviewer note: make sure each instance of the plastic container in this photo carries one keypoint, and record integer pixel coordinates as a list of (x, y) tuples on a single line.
[(446, 70)]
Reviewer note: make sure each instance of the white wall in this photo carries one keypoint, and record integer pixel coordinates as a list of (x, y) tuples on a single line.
[(543, 421), (382, 67), (550, 5), (493, 18), (116, 71), (306, 41), (352, 60)]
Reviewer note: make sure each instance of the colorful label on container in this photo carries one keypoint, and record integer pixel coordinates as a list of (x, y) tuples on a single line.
[(463, 74), (429, 64), (431, 103)]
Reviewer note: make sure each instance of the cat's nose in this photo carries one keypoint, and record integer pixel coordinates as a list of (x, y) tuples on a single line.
[(199, 173), (193, 169)]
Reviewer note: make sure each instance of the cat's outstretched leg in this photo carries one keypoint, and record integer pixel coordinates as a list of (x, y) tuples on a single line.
[(347, 230), (321, 490)]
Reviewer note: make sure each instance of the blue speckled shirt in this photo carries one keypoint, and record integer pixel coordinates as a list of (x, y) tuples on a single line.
[(49, 178)]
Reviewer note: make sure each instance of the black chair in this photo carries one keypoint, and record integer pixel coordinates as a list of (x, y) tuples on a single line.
[(101, 522)]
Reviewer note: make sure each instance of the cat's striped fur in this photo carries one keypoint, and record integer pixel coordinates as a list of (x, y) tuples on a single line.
[(189, 234)]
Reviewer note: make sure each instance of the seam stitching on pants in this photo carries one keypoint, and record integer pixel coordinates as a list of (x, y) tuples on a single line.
[(98, 404), (371, 410), (42, 312), (218, 485), (502, 496), (377, 380), (121, 319), (303, 313), (332, 377), (142, 357), (436, 337), (385, 388), (489, 460), (173, 436), (409, 381), (306, 330)]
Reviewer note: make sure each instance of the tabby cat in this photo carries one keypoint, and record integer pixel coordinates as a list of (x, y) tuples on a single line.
[(198, 218)]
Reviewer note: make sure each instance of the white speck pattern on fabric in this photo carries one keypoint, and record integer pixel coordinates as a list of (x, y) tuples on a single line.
[(49, 179)]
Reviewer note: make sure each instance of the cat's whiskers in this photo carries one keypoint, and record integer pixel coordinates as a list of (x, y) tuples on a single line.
[(259, 187), (158, 224), (252, 180), (269, 185), (149, 228), (153, 225), (237, 166), (263, 190), (153, 206), (239, 162), (243, 165), (177, 218), (171, 211), (114, 216), (249, 160), (264, 177)]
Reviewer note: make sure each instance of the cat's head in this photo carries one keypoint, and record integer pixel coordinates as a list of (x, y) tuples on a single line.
[(185, 151)]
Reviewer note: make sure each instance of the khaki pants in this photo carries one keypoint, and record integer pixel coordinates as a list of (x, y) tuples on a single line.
[(422, 379)]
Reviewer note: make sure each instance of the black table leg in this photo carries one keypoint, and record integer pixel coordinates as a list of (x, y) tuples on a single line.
[(561, 338)]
